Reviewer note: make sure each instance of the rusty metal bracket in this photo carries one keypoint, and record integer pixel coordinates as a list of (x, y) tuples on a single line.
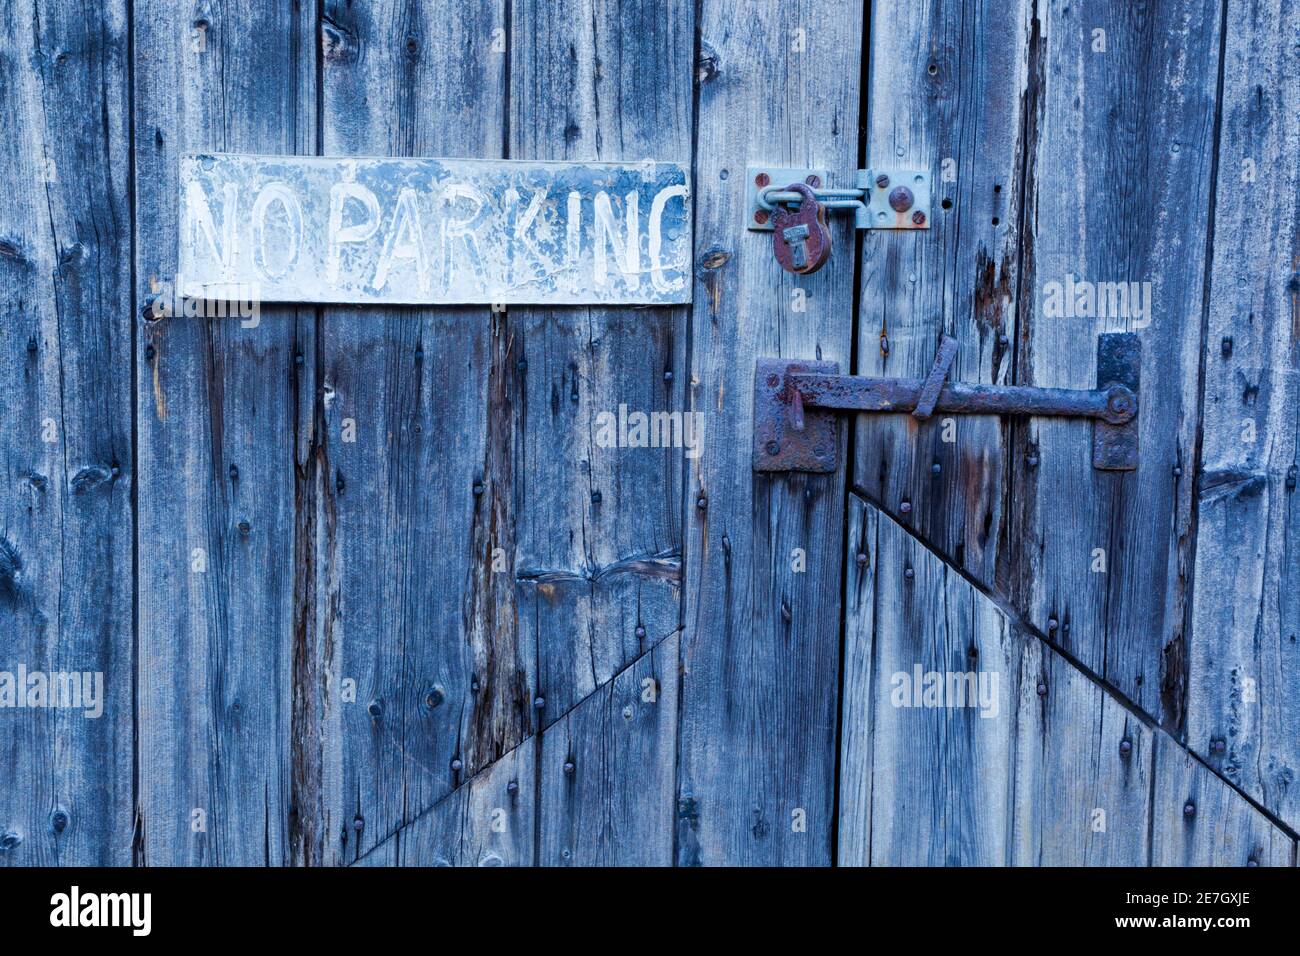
[(795, 427), (879, 199)]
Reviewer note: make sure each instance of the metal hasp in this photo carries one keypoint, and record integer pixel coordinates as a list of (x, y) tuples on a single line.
[(878, 198), (795, 428)]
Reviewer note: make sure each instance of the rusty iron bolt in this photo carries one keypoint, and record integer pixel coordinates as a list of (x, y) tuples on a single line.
[(882, 181), (918, 218), (761, 217), (900, 199), (814, 181), (762, 179)]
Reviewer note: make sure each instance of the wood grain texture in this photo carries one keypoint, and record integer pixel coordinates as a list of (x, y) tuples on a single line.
[(599, 539), (607, 770), (778, 83), (67, 470), (412, 610), (1060, 772), (947, 93), (224, 416), (1120, 145), (1201, 821), (1244, 657)]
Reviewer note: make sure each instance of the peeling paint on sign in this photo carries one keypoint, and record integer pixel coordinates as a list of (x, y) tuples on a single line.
[(413, 231)]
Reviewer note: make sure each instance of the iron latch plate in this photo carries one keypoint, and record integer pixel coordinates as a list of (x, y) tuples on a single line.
[(778, 444)]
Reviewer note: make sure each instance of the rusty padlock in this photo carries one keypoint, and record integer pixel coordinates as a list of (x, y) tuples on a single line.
[(802, 241)]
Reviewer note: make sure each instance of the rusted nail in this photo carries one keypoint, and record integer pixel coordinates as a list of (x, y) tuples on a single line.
[(1189, 809), (595, 497), (478, 488), (1003, 340), (1178, 471), (796, 410), (1290, 478), (539, 702), (905, 507), (900, 199), (884, 344), (234, 472), (909, 573), (59, 821), (785, 612), (814, 181), (1032, 461), (936, 468), (1252, 862), (1218, 745), (760, 217), (244, 527), (358, 823), (918, 218), (773, 447), (512, 786), (568, 766), (668, 376), (882, 181), (456, 765), (702, 502), (376, 709), (473, 685), (861, 559), (762, 179), (1125, 747), (1042, 690), (1052, 624), (298, 359), (640, 631), (1226, 346)]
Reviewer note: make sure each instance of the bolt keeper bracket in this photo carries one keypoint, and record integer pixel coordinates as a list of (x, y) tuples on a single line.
[(795, 426)]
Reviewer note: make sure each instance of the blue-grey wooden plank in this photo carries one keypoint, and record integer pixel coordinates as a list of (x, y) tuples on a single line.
[(1243, 708), (778, 84), (66, 464), (947, 87), (224, 411), (598, 528), (1119, 151), (414, 603)]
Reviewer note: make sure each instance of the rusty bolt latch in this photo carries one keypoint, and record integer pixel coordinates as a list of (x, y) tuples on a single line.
[(795, 428)]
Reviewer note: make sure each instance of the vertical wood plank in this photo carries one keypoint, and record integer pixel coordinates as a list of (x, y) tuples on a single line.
[(1201, 821), (947, 94), (607, 770), (1120, 144), (940, 775), (414, 507), (66, 459), (1083, 774), (1244, 656), (599, 528), (224, 416), (778, 84)]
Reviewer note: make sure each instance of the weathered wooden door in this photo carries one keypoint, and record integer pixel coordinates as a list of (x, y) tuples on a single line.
[(365, 584)]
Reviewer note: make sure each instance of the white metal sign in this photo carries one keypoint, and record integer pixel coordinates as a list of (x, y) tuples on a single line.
[(413, 231)]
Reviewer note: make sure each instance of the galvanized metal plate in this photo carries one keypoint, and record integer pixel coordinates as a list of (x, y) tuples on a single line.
[(760, 177), (1119, 362), (902, 202), (778, 444), (417, 231)]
